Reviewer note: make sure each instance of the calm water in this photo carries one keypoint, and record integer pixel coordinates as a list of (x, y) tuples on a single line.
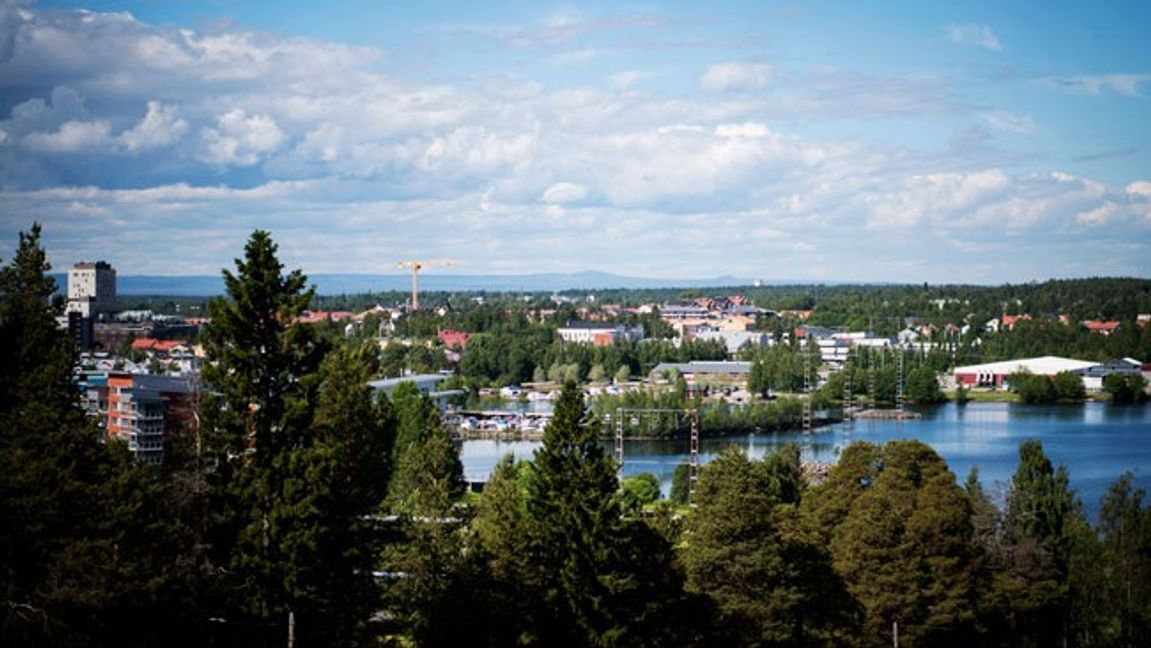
[(1096, 441)]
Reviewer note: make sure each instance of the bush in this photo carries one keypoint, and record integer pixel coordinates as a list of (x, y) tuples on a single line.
[(1125, 388)]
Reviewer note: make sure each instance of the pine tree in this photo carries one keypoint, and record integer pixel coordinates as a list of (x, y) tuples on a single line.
[(900, 537), (772, 583), (429, 481)]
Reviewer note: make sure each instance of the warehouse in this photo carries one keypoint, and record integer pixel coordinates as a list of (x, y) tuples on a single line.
[(995, 374)]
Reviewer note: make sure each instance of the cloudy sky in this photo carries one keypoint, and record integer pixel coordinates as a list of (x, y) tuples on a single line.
[(980, 142)]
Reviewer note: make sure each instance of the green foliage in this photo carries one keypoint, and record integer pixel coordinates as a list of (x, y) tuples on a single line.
[(922, 386), (639, 491), (602, 580), (1125, 388), (1068, 387), (1041, 511), (93, 550), (261, 379), (772, 582), (1033, 389), (899, 530), (680, 484)]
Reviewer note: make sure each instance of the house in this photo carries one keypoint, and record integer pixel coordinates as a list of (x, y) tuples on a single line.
[(1009, 321), (817, 332), (1102, 327), (453, 339), (1093, 376)]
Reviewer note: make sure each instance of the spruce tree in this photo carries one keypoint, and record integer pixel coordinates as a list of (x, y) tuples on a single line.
[(1033, 584), (602, 580), (261, 385), (900, 537), (335, 484)]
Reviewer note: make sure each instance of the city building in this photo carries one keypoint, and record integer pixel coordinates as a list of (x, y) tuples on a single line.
[(147, 412), (736, 340), (711, 372), (92, 289), (600, 334)]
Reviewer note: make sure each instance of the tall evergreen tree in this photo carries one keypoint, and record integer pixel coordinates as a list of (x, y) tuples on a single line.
[(335, 484), (1033, 580), (1125, 525), (603, 581), (261, 382), (430, 593)]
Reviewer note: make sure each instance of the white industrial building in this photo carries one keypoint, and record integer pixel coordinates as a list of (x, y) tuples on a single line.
[(995, 374)]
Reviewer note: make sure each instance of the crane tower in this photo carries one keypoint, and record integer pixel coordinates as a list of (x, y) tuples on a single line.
[(416, 266)]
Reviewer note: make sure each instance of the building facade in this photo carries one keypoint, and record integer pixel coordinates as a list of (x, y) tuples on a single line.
[(147, 412), (92, 289)]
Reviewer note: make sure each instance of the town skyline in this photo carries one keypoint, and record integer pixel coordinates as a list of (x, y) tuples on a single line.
[(978, 144)]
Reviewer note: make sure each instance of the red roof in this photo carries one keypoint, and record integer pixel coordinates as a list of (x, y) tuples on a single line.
[(453, 339), (1100, 326), (150, 344)]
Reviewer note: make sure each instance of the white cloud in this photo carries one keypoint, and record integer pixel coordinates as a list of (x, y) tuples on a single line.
[(71, 137), (1098, 215), (975, 35), (564, 192), (1139, 188), (161, 126), (748, 129), (240, 139), (737, 77)]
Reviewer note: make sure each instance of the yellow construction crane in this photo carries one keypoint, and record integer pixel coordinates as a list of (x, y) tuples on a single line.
[(415, 266)]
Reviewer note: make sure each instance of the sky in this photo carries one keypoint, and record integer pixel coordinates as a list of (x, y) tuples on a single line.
[(973, 142)]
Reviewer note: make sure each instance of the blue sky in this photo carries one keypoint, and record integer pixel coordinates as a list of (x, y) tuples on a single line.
[(960, 142)]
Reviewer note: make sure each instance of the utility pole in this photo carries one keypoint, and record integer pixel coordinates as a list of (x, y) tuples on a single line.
[(807, 413)]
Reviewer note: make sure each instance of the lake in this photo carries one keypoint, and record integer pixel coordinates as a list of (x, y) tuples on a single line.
[(1097, 442)]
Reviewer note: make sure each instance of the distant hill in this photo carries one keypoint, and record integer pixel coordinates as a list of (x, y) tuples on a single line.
[(335, 284)]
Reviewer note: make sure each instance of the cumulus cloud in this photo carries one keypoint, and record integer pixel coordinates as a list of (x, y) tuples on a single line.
[(161, 126), (465, 169), (71, 137), (1139, 188), (625, 79), (1098, 215), (240, 139), (975, 35), (737, 77)]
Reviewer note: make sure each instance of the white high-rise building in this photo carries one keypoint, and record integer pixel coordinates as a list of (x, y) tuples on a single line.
[(92, 289)]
